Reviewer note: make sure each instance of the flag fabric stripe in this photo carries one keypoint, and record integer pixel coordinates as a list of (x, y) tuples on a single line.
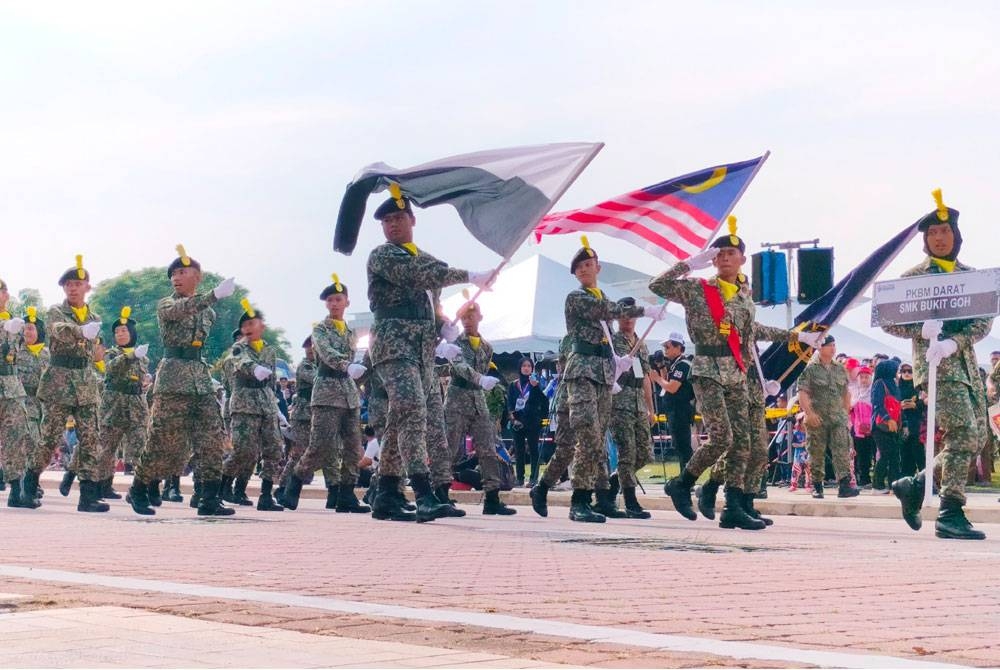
[(625, 230), (676, 203), (681, 222)]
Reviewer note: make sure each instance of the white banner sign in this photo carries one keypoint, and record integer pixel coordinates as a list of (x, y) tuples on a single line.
[(945, 295)]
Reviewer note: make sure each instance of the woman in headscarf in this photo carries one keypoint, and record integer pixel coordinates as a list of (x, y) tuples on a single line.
[(526, 407), (886, 420)]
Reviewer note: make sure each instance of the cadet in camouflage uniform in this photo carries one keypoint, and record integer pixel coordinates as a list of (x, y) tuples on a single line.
[(124, 412), (961, 402), (15, 430), (301, 417), (590, 373), (69, 387), (335, 433), (404, 286), (32, 360), (826, 401), (184, 417), (254, 410), (632, 413), (465, 410)]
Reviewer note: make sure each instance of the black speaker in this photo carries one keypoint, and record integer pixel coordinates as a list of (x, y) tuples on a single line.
[(815, 273)]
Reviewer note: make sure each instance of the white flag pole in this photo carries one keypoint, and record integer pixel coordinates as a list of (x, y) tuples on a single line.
[(932, 367)]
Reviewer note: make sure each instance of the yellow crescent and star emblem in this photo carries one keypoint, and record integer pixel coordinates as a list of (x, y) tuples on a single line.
[(718, 174)]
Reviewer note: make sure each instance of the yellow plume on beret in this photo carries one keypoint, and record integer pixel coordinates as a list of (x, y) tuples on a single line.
[(942, 210), (245, 302), (397, 195), (185, 259), (80, 272), (126, 313), (32, 313), (336, 282)]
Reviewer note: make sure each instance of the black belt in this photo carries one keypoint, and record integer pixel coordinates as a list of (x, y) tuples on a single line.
[(251, 383), (379, 393), (72, 362), (588, 349), (126, 388), (630, 382), (187, 353), (414, 312), (464, 384), (717, 350), (326, 372), (306, 392)]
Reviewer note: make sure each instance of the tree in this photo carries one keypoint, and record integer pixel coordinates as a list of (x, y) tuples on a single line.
[(142, 290), (26, 297)]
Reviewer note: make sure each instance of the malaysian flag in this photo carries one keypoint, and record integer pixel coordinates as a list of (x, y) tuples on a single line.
[(671, 220)]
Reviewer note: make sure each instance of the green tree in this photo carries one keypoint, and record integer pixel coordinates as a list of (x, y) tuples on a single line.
[(24, 298), (143, 289)]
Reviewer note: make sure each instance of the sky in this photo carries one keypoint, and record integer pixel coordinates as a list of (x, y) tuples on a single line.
[(234, 127)]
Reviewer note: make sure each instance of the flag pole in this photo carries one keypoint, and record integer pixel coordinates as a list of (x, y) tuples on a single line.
[(552, 201)]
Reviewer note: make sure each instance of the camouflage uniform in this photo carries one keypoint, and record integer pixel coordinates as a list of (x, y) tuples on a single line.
[(19, 442), (335, 434), (69, 387), (562, 456), (465, 410), (254, 410), (826, 386), (403, 291), (589, 376), (630, 414), (124, 412), (30, 367), (961, 402), (226, 372), (184, 417), (718, 382), (301, 419)]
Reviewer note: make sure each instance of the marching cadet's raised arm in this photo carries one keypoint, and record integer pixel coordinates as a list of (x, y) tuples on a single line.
[(672, 284)]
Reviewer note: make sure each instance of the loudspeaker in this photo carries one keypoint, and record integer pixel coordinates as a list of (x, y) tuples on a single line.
[(769, 278), (815, 273)]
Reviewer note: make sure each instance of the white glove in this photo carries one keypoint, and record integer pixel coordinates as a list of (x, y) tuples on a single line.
[(261, 373), (282, 421), (940, 350), (447, 351), (355, 370), (703, 259), (225, 289), (772, 387), (656, 313), (449, 331), (931, 329), (813, 339), (622, 363), (13, 326), (141, 351), (91, 330), (483, 280), (487, 383), (616, 389)]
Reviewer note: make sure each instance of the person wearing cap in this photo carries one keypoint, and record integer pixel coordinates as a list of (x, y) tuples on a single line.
[(335, 433), (465, 410), (675, 382), (826, 401), (254, 410), (16, 436), (404, 284), (301, 419), (69, 387), (184, 417), (960, 402), (632, 414), (590, 374), (32, 359)]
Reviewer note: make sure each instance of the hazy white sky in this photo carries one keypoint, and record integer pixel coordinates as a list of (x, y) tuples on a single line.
[(234, 127)]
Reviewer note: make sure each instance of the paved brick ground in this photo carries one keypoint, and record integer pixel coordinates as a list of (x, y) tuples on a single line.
[(865, 585)]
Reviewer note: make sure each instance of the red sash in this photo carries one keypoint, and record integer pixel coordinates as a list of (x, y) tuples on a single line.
[(713, 298)]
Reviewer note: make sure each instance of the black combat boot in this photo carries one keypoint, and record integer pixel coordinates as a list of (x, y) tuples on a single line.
[(108, 490), (293, 489), (442, 493), (240, 492), (173, 490), (90, 500), (226, 490), (265, 503), (751, 512), (428, 505), (387, 504), (580, 510), (614, 485), (29, 487), (155, 499), (817, 489), (539, 498), (3, 482), (734, 516), (846, 490), (196, 496), (607, 506), (138, 498), (211, 503), (910, 492), (493, 505), (633, 509), (66, 485), (679, 490), (347, 502), (707, 493), (951, 523), (16, 497), (332, 493)]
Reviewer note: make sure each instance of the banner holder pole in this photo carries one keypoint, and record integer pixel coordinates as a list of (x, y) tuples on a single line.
[(929, 442)]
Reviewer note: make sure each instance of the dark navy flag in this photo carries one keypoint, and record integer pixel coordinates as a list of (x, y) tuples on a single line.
[(500, 194), (778, 361)]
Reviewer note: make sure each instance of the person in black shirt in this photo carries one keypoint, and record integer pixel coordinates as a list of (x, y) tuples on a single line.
[(527, 406), (679, 395)]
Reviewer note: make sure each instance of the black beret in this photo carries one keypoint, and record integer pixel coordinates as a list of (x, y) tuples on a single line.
[(727, 241), (829, 339), (933, 219), (308, 342), (245, 316), (392, 205), (585, 253), (179, 263), (74, 273), (332, 289), (627, 301)]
